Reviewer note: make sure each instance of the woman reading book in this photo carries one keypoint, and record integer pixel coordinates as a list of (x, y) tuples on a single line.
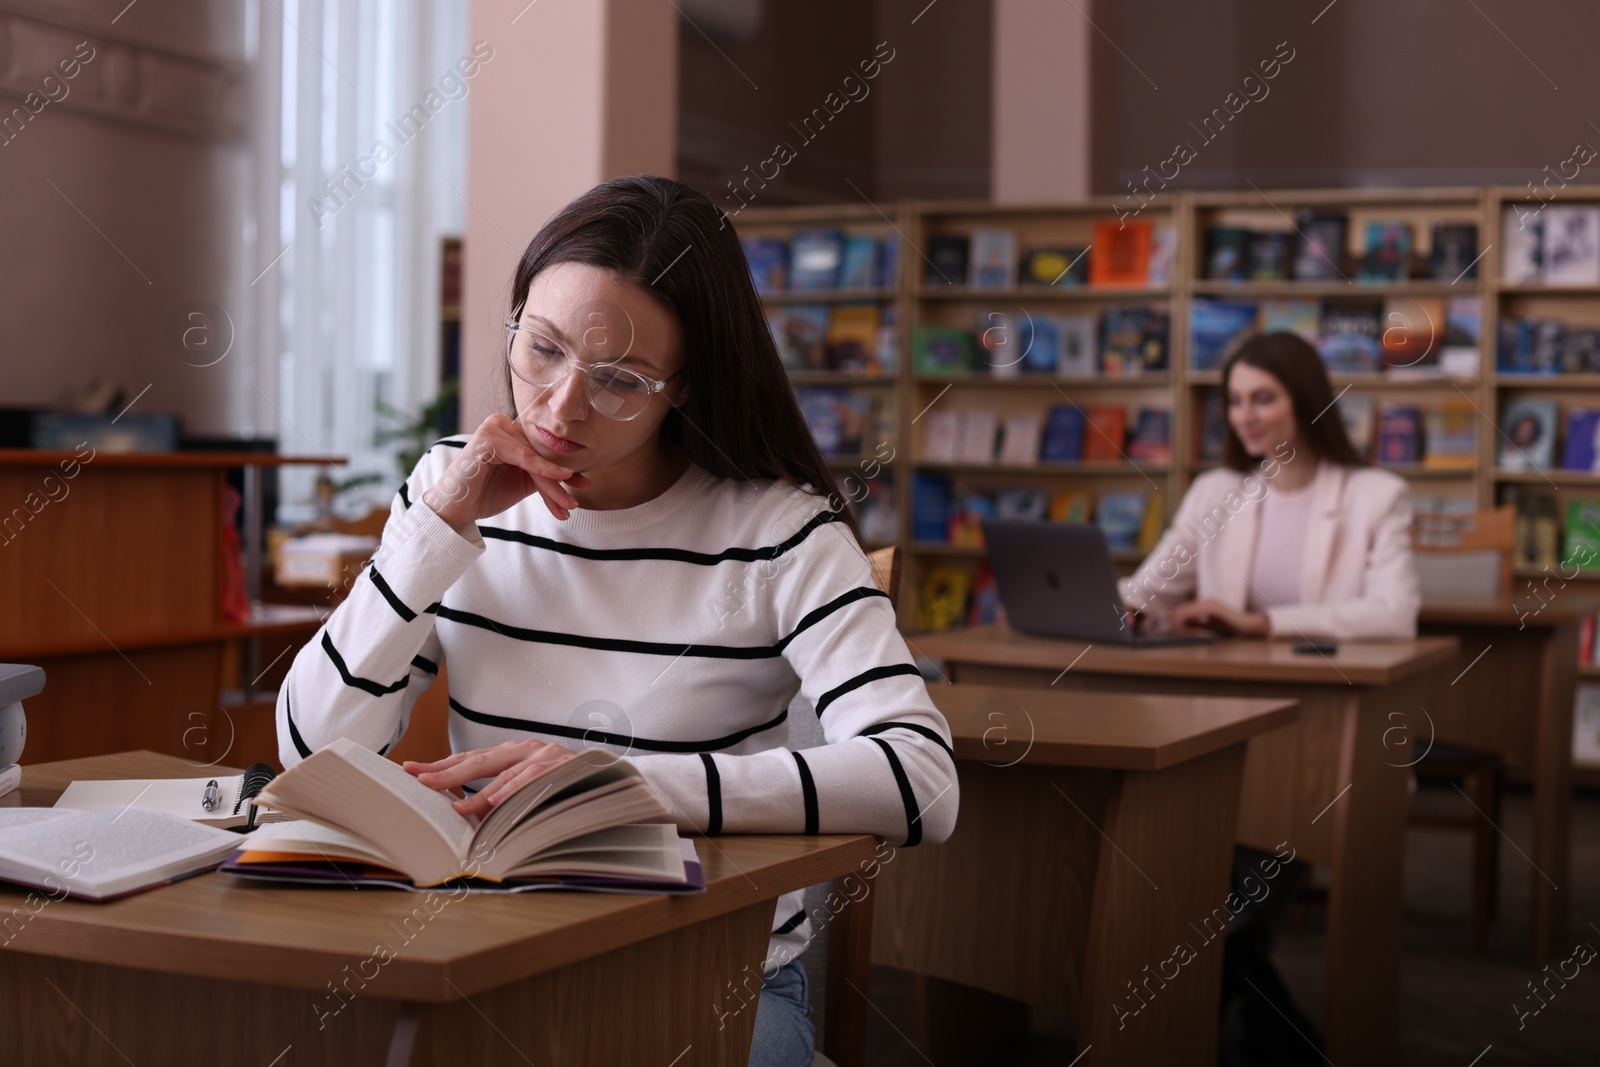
[(641, 552)]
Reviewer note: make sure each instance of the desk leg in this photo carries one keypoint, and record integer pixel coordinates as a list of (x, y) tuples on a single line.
[(1365, 895), (1552, 792)]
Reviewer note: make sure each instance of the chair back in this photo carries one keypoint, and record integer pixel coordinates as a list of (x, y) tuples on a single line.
[(886, 571), (1475, 563)]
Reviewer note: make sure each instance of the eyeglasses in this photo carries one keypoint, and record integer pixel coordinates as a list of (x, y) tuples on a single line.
[(613, 391)]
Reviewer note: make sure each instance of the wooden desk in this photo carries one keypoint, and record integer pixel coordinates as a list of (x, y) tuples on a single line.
[(1326, 786), (1034, 900), (1518, 669), (213, 971)]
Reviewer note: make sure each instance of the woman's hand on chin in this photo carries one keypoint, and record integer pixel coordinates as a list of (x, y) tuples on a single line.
[(496, 469), (1215, 615), (512, 764)]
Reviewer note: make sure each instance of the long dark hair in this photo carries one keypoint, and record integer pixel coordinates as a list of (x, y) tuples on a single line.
[(1298, 368), (740, 418)]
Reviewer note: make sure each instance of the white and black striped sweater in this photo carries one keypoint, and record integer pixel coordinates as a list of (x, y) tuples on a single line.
[(682, 632)]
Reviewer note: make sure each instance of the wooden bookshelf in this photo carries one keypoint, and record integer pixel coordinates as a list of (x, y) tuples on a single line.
[(885, 386)]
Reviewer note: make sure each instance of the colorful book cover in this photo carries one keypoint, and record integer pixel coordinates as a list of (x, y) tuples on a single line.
[(1080, 347), (1041, 344), (1580, 546), (1154, 521), (1120, 516), (1453, 252), (1412, 329), (1212, 427), (1062, 441), (1581, 353), (1023, 503), (985, 598), (994, 259), (852, 337), (1529, 435), (1065, 265), (1121, 253), (1216, 328), (860, 257), (1303, 318), (887, 271), (1319, 254), (1104, 433), (1521, 245), (1225, 258), (1356, 411), (1350, 336), (944, 350), (930, 507), (769, 263), (1399, 435), (1514, 346), (1571, 245), (1071, 505), (943, 600), (1452, 437), (1122, 335), (947, 259), (801, 334), (1458, 348), (1266, 256), (1151, 440), (967, 513), (1388, 254), (1020, 439), (1163, 252), (1157, 333), (1582, 449), (814, 259)]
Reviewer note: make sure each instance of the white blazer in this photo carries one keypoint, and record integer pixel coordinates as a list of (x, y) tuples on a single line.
[(1357, 579)]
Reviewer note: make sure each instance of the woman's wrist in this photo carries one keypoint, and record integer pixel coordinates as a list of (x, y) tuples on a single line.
[(462, 524)]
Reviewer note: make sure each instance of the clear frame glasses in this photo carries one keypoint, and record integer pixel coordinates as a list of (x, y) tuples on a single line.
[(614, 391)]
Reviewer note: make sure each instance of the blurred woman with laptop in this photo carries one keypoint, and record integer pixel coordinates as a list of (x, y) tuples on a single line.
[(1295, 535)]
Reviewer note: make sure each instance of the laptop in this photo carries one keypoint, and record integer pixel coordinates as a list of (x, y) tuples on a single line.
[(1056, 579)]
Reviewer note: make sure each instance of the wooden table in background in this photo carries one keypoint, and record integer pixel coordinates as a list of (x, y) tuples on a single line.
[(1096, 833), (1518, 669), (1325, 785), (213, 971), (115, 589)]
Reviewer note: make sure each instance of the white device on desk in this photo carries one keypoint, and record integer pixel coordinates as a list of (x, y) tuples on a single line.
[(17, 683)]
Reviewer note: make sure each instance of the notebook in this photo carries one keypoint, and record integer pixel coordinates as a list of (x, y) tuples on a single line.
[(100, 855), (182, 797)]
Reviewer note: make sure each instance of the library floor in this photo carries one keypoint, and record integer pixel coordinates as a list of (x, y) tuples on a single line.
[(1456, 1002)]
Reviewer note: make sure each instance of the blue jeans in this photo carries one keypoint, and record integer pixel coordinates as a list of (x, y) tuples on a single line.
[(784, 1035)]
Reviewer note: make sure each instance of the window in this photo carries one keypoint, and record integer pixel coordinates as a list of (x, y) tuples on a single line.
[(357, 175)]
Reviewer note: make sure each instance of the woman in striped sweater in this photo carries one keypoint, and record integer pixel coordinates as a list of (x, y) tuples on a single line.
[(633, 555)]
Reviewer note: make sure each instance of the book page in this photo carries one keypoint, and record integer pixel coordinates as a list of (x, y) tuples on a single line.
[(10, 817), (432, 804)]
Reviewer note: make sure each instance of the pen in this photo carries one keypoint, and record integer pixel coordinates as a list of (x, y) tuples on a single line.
[(212, 798)]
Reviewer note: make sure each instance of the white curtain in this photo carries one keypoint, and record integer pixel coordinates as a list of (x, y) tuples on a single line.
[(343, 242)]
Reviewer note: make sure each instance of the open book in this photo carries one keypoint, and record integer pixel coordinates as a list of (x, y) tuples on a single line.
[(102, 854), (588, 817)]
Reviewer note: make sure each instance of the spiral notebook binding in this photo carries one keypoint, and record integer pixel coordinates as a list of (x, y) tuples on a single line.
[(256, 778)]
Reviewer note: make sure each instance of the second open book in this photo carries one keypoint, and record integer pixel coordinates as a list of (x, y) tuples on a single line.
[(589, 821)]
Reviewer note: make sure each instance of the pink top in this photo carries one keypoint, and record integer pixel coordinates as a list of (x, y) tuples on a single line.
[(1280, 548)]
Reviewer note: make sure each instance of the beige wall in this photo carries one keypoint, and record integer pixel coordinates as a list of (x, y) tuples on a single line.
[(121, 202), (578, 93)]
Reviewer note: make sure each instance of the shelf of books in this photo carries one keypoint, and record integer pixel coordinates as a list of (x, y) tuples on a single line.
[(1389, 286), (831, 280), (1545, 319), (1040, 386)]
